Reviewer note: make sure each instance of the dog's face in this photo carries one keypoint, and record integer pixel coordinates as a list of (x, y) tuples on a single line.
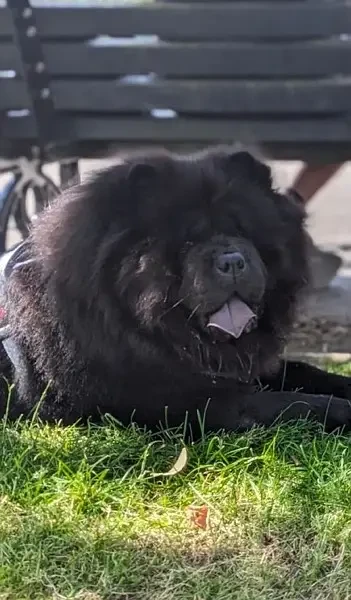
[(198, 254)]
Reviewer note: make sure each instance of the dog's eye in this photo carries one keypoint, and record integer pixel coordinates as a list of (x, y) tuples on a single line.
[(186, 247)]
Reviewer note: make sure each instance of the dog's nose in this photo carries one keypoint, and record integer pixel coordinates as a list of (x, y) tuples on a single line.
[(230, 263)]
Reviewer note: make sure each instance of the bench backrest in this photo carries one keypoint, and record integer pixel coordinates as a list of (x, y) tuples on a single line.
[(273, 73)]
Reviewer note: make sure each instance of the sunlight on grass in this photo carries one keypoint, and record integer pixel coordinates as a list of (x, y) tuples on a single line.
[(84, 516)]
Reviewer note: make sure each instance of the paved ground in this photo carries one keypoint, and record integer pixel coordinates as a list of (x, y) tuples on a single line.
[(330, 225)]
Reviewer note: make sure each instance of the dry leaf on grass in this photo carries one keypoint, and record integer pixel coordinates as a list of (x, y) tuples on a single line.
[(178, 466), (198, 516)]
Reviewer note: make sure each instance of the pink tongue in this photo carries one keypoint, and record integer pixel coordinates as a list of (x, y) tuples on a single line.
[(232, 318)]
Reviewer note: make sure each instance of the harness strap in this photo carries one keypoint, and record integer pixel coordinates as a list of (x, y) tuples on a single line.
[(9, 262)]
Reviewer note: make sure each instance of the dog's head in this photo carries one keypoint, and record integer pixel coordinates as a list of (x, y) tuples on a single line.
[(198, 255)]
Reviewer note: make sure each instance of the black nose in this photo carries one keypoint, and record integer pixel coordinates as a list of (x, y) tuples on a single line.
[(230, 263)]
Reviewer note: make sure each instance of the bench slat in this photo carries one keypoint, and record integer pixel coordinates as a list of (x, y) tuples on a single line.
[(191, 97), (222, 21), (13, 95), (147, 130), (206, 97), (226, 1), (303, 59)]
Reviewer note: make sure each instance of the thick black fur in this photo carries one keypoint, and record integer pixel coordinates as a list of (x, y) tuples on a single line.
[(111, 314)]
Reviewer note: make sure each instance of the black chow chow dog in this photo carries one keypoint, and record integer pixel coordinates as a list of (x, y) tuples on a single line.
[(162, 291)]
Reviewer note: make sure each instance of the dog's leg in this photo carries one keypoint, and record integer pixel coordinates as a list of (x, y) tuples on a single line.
[(299, 376), (267, 408)]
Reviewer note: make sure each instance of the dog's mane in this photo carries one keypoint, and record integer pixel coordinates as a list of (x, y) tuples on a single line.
[(69, 308)]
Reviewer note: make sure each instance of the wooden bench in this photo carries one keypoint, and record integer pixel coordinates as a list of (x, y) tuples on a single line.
[(77, 82)]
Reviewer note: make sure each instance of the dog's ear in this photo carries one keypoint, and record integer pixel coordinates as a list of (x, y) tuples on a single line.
[(141, 176), (295, 197), (141, 172), (295, 203), (141, 182), (245, 163)]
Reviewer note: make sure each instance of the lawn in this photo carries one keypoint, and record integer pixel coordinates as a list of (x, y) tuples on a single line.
[(92, 514)]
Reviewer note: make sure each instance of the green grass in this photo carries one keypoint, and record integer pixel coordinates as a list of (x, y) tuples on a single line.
[(83, 515)]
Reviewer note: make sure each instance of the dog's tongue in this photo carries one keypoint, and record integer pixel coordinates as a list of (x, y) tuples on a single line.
[(232, 318)]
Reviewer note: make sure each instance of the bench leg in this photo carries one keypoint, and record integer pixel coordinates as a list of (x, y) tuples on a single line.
[(7, 203), (26, 176), (69, 174)]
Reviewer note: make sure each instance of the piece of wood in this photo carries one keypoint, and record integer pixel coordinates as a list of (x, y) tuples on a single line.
[(192, 97), (211, 97), (299, 59), (216, 20), (201, 130)]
